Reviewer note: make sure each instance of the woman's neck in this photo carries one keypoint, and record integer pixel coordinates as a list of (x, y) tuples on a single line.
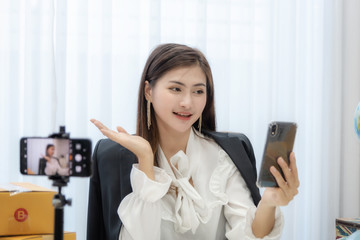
[(173, 143)]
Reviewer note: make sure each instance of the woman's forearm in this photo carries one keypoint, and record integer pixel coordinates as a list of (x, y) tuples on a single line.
[(264, 220)]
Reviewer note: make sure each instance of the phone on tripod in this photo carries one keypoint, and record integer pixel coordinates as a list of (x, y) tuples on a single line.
[(279, 143), (55, 156)]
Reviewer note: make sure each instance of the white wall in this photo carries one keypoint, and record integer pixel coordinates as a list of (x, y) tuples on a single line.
[(350, 197)]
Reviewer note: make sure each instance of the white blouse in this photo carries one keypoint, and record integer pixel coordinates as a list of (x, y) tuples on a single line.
[(218, 204), (53, 167)]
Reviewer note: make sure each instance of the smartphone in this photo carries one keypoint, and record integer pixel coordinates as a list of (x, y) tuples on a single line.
[(55, 156), (279, 143)]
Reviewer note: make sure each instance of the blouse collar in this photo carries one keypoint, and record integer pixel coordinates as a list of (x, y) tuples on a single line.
[(174, 160)]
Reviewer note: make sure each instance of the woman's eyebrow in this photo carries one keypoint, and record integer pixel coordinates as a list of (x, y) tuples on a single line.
[(195, 85), (200, 85)]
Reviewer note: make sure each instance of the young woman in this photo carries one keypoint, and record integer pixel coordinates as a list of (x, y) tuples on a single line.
[(52, 164), (177, 178)]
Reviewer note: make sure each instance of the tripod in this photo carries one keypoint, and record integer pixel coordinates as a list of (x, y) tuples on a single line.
[(59, 201)]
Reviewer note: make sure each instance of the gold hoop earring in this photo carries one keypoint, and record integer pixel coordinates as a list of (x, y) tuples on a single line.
[(148, 112), (199, 125)]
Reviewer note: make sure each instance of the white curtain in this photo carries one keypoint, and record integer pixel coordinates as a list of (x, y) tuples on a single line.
[(64, 62)]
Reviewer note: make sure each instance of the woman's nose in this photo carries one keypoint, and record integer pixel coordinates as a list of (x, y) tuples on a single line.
[(185, 101)]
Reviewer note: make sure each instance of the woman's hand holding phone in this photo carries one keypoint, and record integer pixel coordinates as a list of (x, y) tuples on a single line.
[(276, 196), (288, 186), (278, 173), (136, 144)]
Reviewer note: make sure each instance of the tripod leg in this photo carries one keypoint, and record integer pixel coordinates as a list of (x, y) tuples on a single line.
[(59, 224)]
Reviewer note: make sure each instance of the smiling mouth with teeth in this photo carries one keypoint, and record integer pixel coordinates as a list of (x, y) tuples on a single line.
[(183, 115)]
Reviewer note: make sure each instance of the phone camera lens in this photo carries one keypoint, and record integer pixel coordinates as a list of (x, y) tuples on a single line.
[(78, 146), (78, 157), (273, 129)]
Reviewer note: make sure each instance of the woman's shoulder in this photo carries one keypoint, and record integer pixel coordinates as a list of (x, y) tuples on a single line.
[(224, 136), (240, 151), (231, 140)]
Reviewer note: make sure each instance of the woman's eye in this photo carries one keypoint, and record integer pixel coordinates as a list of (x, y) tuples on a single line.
[(199, 91), (175, 89)]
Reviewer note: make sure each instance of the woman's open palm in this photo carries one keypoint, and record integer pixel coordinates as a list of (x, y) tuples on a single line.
[(136, 144)]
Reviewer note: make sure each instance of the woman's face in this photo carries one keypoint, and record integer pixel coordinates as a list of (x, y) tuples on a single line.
[(51, 151), (178, 98)]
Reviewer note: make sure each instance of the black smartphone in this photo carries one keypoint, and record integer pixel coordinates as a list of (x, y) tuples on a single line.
[(279, 143), (55, 156)]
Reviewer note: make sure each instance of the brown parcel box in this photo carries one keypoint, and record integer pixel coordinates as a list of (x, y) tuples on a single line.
[(26, 209), (67, 236)]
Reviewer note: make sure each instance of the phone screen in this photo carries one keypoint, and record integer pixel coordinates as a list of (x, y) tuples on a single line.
[(55, 156)]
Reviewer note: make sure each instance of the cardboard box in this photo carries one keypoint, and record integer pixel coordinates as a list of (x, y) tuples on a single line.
[(67, 236), (346, 227), (26, 209)]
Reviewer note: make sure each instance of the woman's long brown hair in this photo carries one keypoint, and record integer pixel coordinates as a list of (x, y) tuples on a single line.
[(164, 58)]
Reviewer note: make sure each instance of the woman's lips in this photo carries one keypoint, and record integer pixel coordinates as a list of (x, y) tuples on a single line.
[(183, 116)]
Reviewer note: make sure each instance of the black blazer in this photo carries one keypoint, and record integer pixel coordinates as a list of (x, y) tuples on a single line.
[(110, 181), (42, 166)]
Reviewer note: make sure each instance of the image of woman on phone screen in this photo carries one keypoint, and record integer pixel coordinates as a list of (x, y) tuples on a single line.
[(50, 165), (178, 178)]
